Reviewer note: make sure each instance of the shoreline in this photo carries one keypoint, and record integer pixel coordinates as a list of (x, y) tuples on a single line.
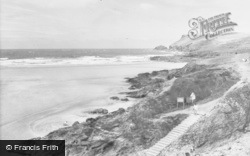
[(77, 109)]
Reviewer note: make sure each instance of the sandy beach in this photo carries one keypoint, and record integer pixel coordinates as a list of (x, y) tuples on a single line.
[(38, 100)]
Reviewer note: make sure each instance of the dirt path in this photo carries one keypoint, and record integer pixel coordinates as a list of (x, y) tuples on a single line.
[(243, 67)]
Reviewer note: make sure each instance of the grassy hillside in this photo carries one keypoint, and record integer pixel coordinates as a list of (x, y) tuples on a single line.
[(223, 43)]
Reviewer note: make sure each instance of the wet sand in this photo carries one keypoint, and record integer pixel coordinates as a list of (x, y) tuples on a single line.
[(38, 100)]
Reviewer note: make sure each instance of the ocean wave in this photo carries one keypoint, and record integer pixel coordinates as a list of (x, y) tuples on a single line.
[(86, 60)]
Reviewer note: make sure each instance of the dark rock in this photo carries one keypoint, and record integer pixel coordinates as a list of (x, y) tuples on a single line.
[(160, 47), (102, 146), (97, 144), (119, 111), (138, 94), (124, 99), (75, 124), (142, 75), (99, 111), (132, 87), (90, 120), (114, 98), (187, 154), (139, 81)]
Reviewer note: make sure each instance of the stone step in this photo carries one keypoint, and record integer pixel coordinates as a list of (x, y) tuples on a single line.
[(187, 124), (153, 153), (176, 132), (148, 154), (164, 141), (181, 127), (161, 145), (184, 125), (190, 120), (157, 148), (173, 136), (170, 137), (140, 154), (179, 130)]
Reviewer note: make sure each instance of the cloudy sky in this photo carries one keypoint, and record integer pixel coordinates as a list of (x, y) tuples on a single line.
[(107, 23)]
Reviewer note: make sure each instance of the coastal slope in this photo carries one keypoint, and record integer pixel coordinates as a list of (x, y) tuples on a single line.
[(224, 130), (220, 82)]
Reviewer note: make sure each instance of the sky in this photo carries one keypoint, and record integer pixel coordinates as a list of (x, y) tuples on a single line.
[(70, 24)]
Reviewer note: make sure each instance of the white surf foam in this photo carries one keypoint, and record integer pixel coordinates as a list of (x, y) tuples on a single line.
[(87, 60)]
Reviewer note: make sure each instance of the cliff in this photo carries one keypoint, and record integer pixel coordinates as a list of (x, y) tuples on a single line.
[(222, 43)]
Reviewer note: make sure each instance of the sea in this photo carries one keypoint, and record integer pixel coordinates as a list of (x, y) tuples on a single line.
[(26, 57)]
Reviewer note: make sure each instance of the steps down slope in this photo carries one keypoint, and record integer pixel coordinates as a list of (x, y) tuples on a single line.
[(176, 133)]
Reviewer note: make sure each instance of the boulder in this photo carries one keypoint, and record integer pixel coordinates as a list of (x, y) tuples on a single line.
[(99, 111), (114, 98), (119, 111), (124, 99), (75, 124), (90, 120)]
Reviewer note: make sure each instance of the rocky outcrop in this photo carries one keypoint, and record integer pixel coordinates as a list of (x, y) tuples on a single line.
[(206, 82), (117, 133), (160, 47), (114, 98), (99, 111), (125, 99), (192, 77)]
